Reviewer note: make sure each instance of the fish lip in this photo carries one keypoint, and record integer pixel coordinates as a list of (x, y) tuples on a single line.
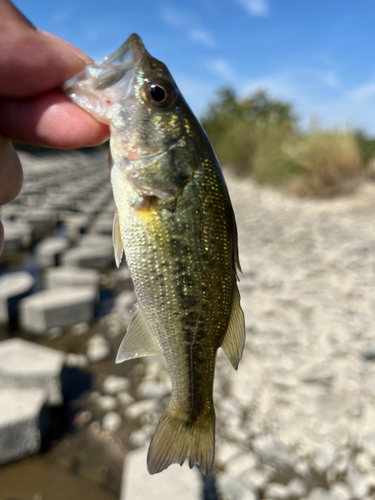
[(134, 42), (85, 88)]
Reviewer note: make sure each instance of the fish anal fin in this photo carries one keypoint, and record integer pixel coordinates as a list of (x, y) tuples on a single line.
[(116, 240), (139, 341), (234, 340), (177, 437)]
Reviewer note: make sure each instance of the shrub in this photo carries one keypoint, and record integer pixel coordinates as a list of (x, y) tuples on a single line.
[(331, 160), (239, 129)]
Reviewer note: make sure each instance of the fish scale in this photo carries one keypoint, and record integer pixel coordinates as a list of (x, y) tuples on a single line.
[(175, 223)]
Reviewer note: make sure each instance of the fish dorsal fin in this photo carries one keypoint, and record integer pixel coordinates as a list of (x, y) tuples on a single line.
[(234, 340), (116, 240), (138, 341)]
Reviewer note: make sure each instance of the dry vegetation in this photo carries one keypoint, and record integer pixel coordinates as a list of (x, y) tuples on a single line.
[(259, 137)]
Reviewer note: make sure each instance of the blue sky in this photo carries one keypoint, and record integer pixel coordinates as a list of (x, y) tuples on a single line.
[(318, 55)]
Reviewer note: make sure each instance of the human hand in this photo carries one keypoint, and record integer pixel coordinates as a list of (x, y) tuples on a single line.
[(33, 65)]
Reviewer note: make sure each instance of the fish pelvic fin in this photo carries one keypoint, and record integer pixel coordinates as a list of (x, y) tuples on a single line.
[(139, 340), (178, 437), (116, 240), (234, 340)]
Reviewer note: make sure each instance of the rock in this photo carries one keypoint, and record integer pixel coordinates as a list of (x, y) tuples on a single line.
[(273, 453), (138, 438), (296, 488), (277, 491), (50, 250), (226, 452), (98, 348), (82, 418), (136, 410), (13, 288), (138, 483), (21, 425), (319, 373), (113, 384), (55, 332), (324, 458), (71, 276), (148, 389), (302, 467), (124, 398), (80, 328), (76, 361), (94, 396), (57, 307), (90, 257), (125, 301), (27, 365), (240, 463), (234, 488), (106, 403), (339, 491), (368, 353), (111, 421), (357, 483), (319, 494), (257, 477), (242, 390)]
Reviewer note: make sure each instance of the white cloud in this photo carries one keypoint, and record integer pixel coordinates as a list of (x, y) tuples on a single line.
[(189, 25), (255, 7), (174, 18), (222, 68), (201, 36)]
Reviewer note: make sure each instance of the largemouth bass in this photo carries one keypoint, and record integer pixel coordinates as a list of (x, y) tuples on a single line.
[(174, 219)]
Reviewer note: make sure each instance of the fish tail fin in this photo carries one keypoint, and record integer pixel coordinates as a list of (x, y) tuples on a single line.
[(178, 437)]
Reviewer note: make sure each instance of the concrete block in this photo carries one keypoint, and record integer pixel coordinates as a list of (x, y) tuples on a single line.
[(26, 365), (57, 307), (21, 424), (50, 250), (42, 218), (76, 224), (17, 235), (71, 276), (96, 240), (123, 278), (98, 257), (13, 288), (103, 224), (175, 482)]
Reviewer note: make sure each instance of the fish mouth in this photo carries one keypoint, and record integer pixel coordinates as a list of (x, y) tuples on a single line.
[(98, 85)]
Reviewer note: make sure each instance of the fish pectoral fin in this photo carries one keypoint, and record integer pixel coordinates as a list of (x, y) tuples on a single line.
[(139, 340), (234, 340), (116, 240)]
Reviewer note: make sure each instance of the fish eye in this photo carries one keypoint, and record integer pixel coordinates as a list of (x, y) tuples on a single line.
[(159, 93)]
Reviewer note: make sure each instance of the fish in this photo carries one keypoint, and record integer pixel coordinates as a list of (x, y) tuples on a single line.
[(175, 223)]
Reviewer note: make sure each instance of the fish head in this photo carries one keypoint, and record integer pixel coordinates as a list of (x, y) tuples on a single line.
[(136, 95)]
